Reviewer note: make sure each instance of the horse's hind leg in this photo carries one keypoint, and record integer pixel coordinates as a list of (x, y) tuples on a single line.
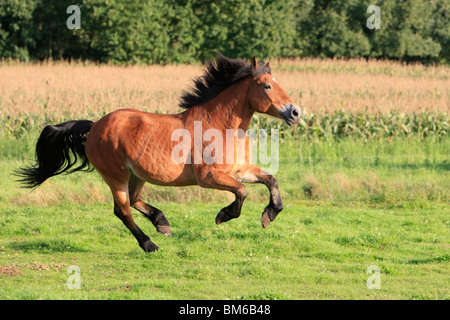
[(123, 211), (155, 215)]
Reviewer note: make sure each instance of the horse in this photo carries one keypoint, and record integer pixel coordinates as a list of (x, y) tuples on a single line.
[(129, 147)]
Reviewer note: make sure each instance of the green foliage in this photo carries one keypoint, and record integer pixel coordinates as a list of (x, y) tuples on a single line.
[(336, 29), (16, 28), (336, 125), (341, 124), (409, 31), (170, 31)]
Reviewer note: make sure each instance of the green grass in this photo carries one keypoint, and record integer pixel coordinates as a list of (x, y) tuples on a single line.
[(349, 204), (311, 251)]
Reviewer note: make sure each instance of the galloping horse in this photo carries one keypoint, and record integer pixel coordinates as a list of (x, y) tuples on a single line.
[(130, 147)]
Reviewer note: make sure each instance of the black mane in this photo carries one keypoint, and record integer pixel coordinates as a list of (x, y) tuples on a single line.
[(219, 75)]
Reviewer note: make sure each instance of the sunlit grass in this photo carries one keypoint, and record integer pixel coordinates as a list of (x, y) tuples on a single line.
[(309, 252)]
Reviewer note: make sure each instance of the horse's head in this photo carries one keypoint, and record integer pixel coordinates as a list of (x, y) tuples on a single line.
[(267, 96)]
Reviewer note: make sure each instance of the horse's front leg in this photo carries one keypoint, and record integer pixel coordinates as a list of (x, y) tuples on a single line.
[(222, 181), (255, 174)]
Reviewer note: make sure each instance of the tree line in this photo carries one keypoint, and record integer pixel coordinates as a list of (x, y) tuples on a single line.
[(180, 31)]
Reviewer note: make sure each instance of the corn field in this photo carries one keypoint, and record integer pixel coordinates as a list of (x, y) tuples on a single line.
[(329, 125), (339, 124)]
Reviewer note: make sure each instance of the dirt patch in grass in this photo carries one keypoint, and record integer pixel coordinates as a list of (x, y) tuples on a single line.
[(10, 271)]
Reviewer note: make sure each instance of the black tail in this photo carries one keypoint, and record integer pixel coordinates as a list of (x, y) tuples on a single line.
[(53, 152)]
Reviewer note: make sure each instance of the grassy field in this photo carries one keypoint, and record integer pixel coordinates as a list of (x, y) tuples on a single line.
[(350, 202), (313, 251)]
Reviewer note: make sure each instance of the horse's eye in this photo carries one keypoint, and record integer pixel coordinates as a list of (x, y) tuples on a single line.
[(267, 86)]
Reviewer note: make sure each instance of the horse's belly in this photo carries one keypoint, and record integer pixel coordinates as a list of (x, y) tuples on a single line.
[(164, 173)]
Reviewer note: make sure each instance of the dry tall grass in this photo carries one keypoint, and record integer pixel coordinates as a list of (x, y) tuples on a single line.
[(317, 85)]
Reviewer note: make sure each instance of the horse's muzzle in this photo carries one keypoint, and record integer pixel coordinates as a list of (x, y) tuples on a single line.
[(291, 114)]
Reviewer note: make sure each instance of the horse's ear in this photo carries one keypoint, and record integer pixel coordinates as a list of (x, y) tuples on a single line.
[(267, 64), (254, 63)]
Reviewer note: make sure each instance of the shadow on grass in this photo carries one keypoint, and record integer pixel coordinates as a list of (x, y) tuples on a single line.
[(437, 165), (49, 246), (439, 259)]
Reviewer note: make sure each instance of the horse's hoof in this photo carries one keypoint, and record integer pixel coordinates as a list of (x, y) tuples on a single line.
[(165, 230), (223, 216), (149, 246), (265, 220), (218, 221), (268, 216)]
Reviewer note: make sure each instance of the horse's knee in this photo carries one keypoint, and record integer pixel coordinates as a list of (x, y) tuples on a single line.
[(122, 212), (241, 193)]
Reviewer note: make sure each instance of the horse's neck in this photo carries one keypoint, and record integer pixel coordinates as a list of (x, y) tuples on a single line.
[(229, 110)]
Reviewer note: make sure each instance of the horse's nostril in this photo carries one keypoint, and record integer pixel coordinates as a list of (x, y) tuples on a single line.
[(294, 113)]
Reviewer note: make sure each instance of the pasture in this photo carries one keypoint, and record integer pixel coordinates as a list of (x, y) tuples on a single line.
[(364, 181)]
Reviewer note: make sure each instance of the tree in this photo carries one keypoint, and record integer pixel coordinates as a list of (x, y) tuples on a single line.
[(16, 32)]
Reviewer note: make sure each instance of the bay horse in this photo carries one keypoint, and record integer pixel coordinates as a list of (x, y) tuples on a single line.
[(130, 147)]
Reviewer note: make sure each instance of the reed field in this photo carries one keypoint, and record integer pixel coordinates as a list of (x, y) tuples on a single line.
[(364, 180)]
